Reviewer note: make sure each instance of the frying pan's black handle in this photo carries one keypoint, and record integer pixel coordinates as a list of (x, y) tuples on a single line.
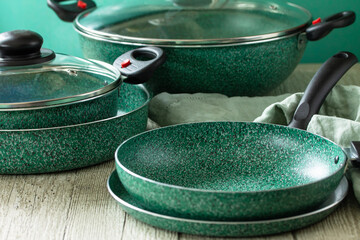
[(354, 151), (138, 65), (338, 20), (320, 86), (68, 11)]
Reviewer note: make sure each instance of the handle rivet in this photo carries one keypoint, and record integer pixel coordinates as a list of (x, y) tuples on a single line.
[(336, 160), (273, 7)]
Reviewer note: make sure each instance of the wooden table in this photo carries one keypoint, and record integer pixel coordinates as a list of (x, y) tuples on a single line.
[(76, 205)]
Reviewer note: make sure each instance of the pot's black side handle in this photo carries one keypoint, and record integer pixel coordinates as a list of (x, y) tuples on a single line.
[(68, 12), (136, 70), (320, 86), (323, 28)]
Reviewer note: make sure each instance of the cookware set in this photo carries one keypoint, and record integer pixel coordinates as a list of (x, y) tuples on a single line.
[(60, 112)]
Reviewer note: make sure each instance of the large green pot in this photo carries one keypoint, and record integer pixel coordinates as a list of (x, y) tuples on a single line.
[(231, 47), (29, 151)]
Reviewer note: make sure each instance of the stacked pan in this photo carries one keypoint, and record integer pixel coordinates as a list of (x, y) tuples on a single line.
[(236, 178), (59, 112)]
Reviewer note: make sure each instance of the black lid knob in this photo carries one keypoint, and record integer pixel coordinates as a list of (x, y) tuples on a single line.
[(23, 47)]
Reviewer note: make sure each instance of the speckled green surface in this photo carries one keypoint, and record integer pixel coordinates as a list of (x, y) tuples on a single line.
[(234, 70), (88, 111), (30, 88), (70, 147), (224, 229), (229, 170)]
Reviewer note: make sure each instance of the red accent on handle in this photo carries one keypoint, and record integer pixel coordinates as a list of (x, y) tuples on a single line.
[(316, 21), (81, 4), (125, 63)]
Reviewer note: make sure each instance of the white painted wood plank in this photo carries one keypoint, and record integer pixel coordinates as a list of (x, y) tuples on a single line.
[(37, 206), (135, 229), (344, 223), (285, 236), (93, 213)]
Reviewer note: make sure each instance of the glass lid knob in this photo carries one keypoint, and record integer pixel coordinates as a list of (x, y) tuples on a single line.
[(23, 47)]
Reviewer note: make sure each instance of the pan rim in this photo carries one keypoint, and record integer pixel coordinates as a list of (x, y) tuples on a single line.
[(171, 186), (148, 212)]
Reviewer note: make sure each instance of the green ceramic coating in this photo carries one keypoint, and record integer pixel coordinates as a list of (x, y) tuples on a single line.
[(82, 112), (231, 70), (224, 229), (70, 147), (229, 170), (54, 86)]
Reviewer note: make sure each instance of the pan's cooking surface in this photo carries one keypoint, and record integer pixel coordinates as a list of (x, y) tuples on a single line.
[(231, 156)]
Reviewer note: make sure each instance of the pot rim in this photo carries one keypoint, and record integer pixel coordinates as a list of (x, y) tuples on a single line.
[(59, 102), (182, 43)]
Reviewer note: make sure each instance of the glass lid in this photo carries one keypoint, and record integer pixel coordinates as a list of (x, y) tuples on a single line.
[(188, 22), (29, 80)]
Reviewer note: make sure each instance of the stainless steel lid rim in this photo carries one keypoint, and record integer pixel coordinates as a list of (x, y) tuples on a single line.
[(175, 44), (59, 102), (211, 42)]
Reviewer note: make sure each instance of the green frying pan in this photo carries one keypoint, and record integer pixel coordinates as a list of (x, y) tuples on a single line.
[(237, 170)]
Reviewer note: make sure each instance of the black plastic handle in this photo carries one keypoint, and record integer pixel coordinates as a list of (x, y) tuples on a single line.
[(136, 70), (69, 11), (354, 153), (23, 47), (338, 20), (320, 86)]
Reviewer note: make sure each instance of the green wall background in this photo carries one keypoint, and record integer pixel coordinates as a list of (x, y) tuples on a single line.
[(61, 37)]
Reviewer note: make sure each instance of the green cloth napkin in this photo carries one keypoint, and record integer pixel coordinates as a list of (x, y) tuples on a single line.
[(168, 109), (338, 118)]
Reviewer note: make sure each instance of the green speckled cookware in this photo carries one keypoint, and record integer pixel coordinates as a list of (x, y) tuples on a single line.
[(63, 148), (229, 170), (41, 89), (237, 170), (232, 47), (223, 228)]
